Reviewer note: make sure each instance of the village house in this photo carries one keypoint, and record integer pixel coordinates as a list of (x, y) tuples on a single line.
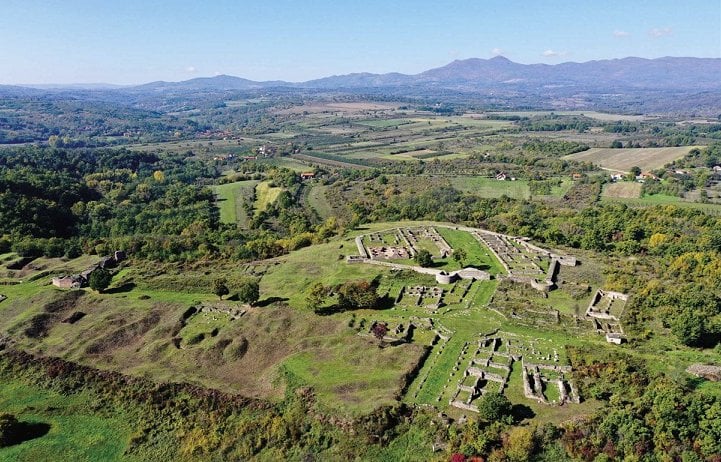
[(647, 176), (307, 176), (267, 151)]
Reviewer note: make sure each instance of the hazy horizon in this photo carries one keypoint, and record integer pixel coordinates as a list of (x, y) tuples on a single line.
[(112, 84), (132, 42)]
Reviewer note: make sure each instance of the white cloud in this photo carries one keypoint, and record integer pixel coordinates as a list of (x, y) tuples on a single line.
[(620, 33), (658, 32), (497, 51), (190, 69), (554, 54)]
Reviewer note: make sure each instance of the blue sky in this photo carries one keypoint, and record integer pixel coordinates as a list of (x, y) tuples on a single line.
[(137, 41)]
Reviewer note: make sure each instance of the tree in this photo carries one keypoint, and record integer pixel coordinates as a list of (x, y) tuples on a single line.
[(357, 294), (379, 330), (688, 327), (249, 292), (459, 255), (424, 258), (635, 171), (316, 296), (9, 429), (99, 279), (220, 288), (494, 407)]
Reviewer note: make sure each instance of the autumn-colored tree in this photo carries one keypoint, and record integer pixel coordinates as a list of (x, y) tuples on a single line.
[(380, 329), (357, 294), (316, 296)]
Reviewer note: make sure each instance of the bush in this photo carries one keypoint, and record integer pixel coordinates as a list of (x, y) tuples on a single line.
[(100, 279), (249, 292)]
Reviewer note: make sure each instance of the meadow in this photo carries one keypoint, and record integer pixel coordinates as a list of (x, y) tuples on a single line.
[(230, 200), (265, 194), (490, 187), (65, 427)]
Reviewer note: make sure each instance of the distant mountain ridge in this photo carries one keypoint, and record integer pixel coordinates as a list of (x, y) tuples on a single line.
[(634, 85), (474, 73)]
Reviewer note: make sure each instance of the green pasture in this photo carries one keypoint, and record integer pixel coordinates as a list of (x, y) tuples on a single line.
[(490, 187), (74, 431), (265, 194), (230, 200)]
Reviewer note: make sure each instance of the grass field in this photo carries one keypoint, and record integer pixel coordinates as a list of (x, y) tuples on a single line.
[(623, 159), (74, 433), (319, 202), (624, 189), (230, 199), (352, 373), (131, 328), (662, 199), (265, 194), (477, 255)]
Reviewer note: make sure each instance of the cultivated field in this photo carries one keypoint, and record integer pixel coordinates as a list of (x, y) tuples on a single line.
[(622, 160), (625, 189)]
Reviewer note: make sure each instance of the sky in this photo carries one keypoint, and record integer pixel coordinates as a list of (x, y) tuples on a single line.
[(139, 41)]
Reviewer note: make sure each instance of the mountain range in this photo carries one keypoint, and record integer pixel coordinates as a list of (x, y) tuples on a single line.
[(634, 85), (668, 73)]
